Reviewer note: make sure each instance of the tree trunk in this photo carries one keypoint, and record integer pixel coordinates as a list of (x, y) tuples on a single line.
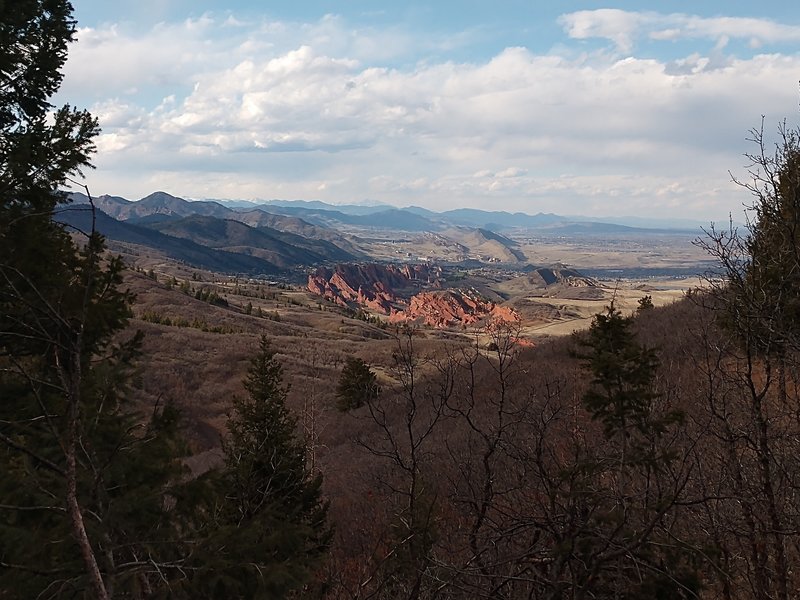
[(73, 506)]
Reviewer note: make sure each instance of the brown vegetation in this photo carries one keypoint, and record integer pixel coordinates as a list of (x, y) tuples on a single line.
[(470, 476)]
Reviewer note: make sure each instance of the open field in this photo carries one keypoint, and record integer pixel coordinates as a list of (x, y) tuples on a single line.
[(578, 313), (627, 251), (647, 251)]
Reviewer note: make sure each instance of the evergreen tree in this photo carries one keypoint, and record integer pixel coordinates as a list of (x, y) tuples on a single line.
[(94, 501), (645, 303), (618, 541), (37, 155), (357, 385), (87, 486), (770, 295), (42, 318), (622, 393), (761, 270), (758, 302), (271, 529)]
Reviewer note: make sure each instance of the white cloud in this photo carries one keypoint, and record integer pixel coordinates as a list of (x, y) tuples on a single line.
[(302, 111), (511, 172), (613, 24), (623, 28)]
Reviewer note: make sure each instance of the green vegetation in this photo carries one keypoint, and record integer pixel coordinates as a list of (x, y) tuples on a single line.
[(621, 396), (59, 307), (207, 295), (624, 516), (362, 315), (645, 303), (94, 497), (273, 529), (758, 302), (357, 385), (196, 323)]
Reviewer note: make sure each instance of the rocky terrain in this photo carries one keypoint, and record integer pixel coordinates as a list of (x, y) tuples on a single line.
[(449, 308), (442, 270), (381, 288), (555, 275), (405, 293), (383, 232)]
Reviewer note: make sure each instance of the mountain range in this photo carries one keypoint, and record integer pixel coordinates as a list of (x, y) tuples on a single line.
[(203, 234), (284, 235)]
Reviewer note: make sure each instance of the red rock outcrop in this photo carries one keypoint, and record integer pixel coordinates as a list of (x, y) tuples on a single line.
[(424, 273), (394, 291), (451, 308), (504, 327), (505, 314), (373, 286)]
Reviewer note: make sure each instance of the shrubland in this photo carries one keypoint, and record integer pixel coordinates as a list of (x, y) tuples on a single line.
[(651, 456)]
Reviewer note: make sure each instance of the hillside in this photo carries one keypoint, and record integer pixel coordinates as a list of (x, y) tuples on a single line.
[(205, 241), (312, 344), (211, 400), (160, 206), (386, 219), (314, 233), (261, 218), (155, 203), (487, 244), (282, 249), (183, 250)]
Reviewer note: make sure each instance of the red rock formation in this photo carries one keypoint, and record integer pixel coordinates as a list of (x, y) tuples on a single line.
[(370, 286), (384, 289), (505, 314), (450, 308), (423, 272), (503, 325)]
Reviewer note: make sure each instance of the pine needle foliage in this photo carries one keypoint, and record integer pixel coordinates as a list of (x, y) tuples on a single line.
[(357, 385), (622, 393), (272, 525)]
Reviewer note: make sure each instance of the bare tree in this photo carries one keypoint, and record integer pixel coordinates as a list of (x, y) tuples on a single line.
[(750, 369), (406, 421)]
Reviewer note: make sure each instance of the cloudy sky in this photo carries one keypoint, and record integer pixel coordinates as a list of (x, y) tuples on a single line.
[(574, 108)]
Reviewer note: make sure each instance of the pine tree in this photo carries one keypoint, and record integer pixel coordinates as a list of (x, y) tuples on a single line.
[(768, 296), (357, 385), (645, 303), (37, 156), (87, 484), (618, 542), (758, 302), (271, 529), (622, 393), (760, 283), (43, 320)]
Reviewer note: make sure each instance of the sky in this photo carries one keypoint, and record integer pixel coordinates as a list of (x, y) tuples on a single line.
[(576, 108)]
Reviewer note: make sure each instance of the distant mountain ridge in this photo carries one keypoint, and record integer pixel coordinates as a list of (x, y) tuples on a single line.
[(349, 209), (287, 236), (486, 242), (207, 238), (183, 250), (381, 216), (282, 249), (155, 203)]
